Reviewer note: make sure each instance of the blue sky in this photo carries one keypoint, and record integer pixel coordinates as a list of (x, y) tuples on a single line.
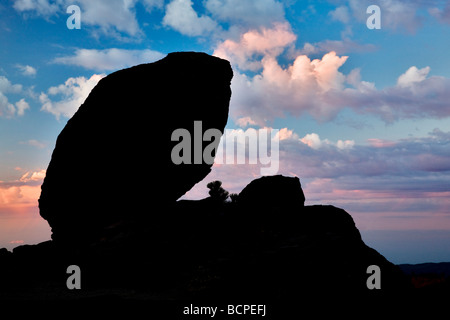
[(365, 112)]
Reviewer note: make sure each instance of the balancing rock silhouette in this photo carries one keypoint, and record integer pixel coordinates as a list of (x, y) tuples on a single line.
[(113, 157), (110, 197)]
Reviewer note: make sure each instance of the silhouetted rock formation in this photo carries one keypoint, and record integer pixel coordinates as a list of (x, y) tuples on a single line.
[(207, 249), (133, 242), (113, 157)]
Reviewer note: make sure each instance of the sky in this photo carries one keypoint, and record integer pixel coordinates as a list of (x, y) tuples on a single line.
[(363, 113)]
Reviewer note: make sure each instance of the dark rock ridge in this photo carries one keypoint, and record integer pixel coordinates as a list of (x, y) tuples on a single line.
[(113, 157), (210, 250)]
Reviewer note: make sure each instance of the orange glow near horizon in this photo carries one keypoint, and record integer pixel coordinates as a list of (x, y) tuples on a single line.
[(20, 222)]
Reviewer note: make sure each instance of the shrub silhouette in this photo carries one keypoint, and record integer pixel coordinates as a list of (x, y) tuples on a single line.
[(217, 192), (234, 197)]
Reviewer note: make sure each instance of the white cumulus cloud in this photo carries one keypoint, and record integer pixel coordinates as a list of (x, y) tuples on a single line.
[(41, 7), (251, 13), (8, 109), (21, 106), (71, 95), (396, 14), (109, 59), (33, 176), (341, 14), (412, 76), (181, 16), (110, 17), (27, 70), (7, 87)]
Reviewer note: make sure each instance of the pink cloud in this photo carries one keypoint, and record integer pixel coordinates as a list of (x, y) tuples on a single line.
[(431, 162), (268, 41), (17, 242), (19, 211), (296, 89), (312, 140), (245, 122), (383, 185), (33, 176), (286, 134), (380, 143), (10, 195), (23, 192), (442, 15), (316, 86), (19, 195)]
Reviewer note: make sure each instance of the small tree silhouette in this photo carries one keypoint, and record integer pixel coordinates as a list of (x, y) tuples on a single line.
[(234, 197), (217, 192)]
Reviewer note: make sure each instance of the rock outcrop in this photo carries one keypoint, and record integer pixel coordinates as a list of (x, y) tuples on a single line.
[(110, 197), (113, 158), (273, 191), (206, 249)]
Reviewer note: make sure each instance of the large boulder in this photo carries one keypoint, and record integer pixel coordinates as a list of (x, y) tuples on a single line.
[(112, 161)]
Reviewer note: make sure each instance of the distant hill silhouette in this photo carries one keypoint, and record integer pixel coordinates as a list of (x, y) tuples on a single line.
[(110, 197), (429, 276)]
